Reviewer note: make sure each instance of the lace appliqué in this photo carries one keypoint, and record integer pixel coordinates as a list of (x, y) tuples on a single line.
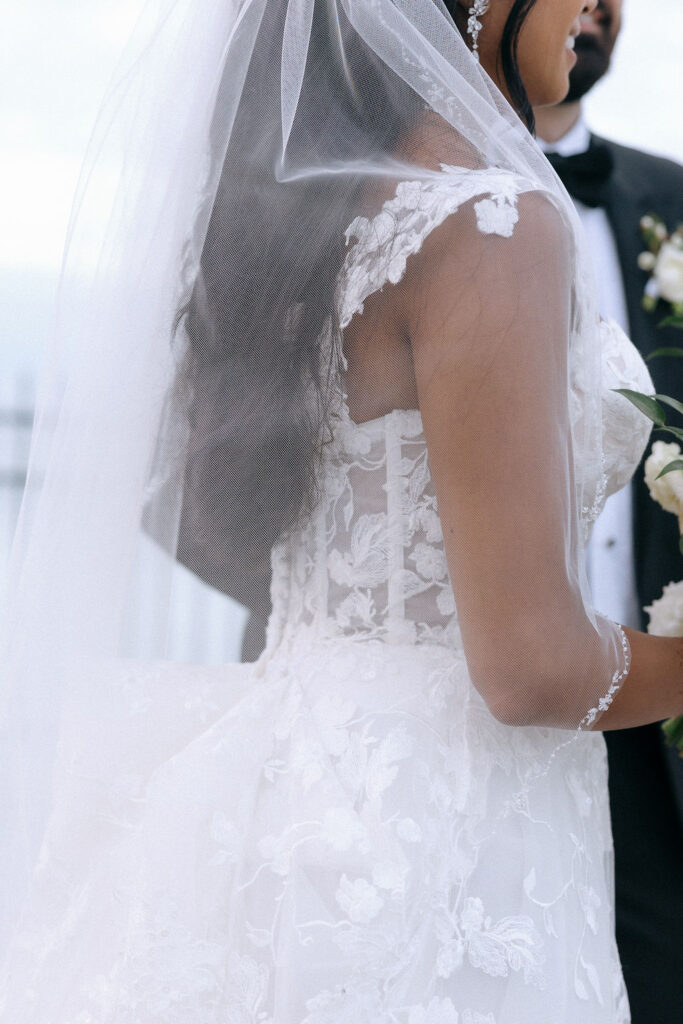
[(384, 242)]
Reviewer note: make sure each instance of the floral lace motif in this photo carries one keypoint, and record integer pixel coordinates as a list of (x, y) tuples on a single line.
[(384, 243), (332, 855), (336, 835)]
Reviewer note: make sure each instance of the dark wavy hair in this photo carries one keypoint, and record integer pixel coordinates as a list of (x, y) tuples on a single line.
[(258, 389)]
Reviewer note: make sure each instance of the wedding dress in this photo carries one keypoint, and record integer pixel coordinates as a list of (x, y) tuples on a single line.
[(341, 833)]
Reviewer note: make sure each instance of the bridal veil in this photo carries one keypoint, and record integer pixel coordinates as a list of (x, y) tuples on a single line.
[(238, 141)]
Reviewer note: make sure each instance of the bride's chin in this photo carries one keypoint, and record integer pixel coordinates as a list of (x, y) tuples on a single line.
[(550, 93)]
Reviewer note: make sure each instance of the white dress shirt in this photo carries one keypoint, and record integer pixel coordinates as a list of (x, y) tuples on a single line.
[(610, 559)]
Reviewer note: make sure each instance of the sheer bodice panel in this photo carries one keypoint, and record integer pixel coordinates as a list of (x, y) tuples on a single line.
[(372, 562)]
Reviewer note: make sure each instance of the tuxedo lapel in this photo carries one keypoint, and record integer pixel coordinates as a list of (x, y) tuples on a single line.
[(628, 199), (629, 196)]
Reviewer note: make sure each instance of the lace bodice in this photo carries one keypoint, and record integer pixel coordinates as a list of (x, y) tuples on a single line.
[(342, 832), (372, 563)]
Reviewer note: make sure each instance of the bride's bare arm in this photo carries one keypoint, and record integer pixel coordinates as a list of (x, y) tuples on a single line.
[(489, 321), (654, 687)]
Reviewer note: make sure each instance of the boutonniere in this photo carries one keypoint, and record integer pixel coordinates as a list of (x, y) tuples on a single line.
[(663, 260)]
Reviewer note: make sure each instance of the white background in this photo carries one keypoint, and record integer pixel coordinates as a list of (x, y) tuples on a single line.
[(56, 57)]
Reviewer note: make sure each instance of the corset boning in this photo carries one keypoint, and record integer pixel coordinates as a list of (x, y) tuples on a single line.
[(371, 562)]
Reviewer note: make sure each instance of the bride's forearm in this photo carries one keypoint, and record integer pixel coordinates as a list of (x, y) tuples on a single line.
[(653, 689)]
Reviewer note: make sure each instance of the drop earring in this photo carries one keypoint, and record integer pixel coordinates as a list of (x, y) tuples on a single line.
[(476, 12)]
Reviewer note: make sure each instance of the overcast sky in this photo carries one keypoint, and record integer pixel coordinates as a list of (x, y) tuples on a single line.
[(641, 101), (55, 60)]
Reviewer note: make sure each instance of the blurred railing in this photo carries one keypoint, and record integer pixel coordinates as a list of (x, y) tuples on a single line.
[(203, 625), (17, 394)]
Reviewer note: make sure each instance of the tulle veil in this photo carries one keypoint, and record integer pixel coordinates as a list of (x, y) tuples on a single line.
[(215, 110)]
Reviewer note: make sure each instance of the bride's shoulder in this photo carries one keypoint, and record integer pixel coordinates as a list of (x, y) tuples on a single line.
[(438, 174), (458, 214), (452, 213)]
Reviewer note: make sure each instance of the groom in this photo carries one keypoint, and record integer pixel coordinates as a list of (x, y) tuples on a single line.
[(634, 552)]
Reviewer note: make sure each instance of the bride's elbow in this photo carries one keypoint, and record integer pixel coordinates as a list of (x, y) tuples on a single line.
[(529, 694), (540, 671), (524, 707)]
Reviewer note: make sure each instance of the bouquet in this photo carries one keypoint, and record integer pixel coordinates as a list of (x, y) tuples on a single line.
[(663, 258)]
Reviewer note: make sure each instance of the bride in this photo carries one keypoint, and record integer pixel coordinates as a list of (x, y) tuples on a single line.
[(340, 309)]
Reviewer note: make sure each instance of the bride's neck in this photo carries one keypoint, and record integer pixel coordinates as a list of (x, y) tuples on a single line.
[(432, 141), (553, 123)]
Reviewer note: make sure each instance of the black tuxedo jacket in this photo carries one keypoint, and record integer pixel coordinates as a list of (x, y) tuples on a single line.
[(646, 776)]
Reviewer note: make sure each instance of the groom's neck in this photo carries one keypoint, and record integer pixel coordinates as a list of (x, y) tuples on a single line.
[(553, 123)]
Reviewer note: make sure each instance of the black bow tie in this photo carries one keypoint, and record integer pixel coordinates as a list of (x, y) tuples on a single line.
[(585, 175)]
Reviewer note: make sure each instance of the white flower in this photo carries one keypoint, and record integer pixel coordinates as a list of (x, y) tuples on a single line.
[(669, 272), (449, 958), (445, 602), (647, 261), (307, 761), (342, 828), (431, 524), (359, 899), (472, 915), (496, 216), (409, 830), (668, 490), (666, 614), (389, 875), (396, 746), (354, 441), (345, 1005), (429, 561), (366, 563), (439, 1011), (512, 943)]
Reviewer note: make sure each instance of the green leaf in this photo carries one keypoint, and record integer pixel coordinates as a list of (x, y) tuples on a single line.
[(671, 321), (671, 468), (674, 431), (673, 731), (666, 351), (671, 402), (647, 405)]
